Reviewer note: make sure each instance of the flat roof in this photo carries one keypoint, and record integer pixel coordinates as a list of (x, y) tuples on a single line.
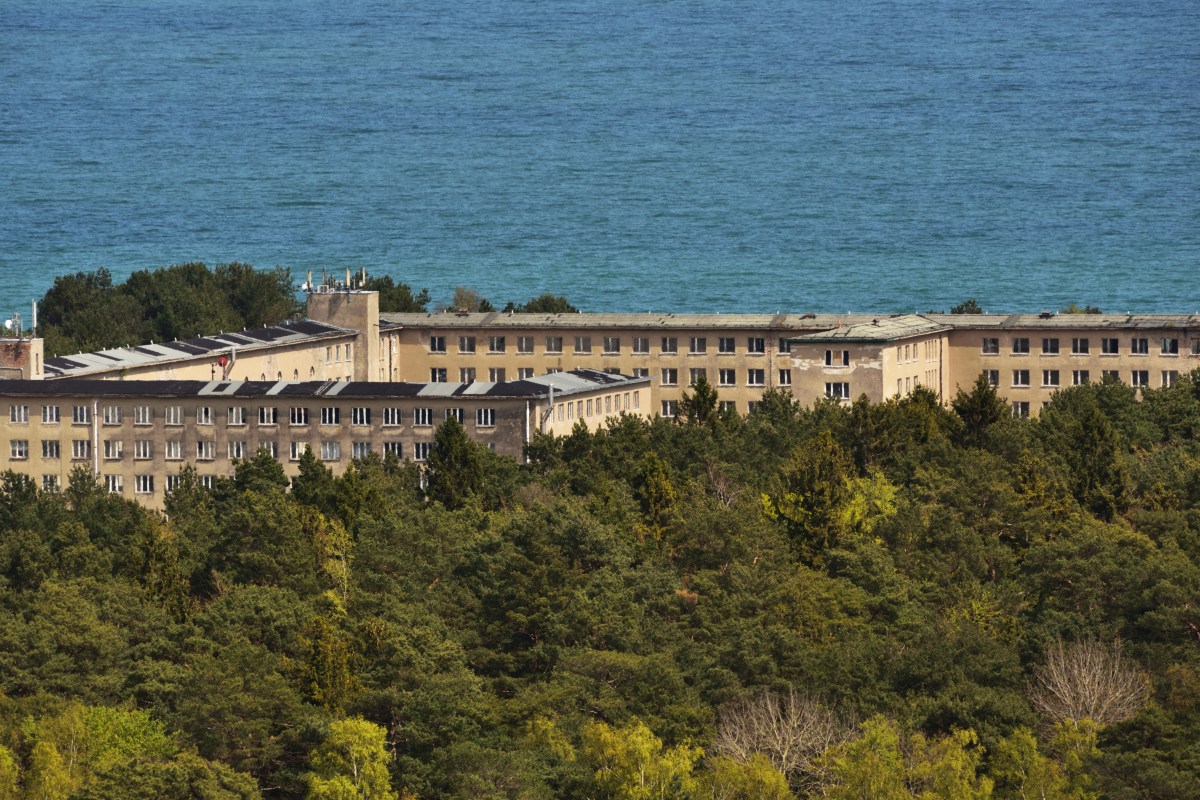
[(575, 381), (1075, 321), (879, 329), (103, 361)]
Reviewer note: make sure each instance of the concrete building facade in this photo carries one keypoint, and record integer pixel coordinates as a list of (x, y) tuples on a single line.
[(136, 435)]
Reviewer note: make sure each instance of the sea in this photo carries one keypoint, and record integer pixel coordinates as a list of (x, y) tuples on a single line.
[(632, 155)]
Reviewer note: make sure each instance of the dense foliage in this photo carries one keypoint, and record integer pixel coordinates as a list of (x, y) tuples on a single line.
[(85, 311), (848, 600)]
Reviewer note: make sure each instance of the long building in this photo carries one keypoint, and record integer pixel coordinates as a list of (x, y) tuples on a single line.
[(135, 435)]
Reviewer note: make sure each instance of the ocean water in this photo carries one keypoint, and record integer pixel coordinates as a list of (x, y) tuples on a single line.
[(690, 155)]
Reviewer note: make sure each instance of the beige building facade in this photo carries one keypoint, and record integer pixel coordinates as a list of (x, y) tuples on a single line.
[(136, 435)]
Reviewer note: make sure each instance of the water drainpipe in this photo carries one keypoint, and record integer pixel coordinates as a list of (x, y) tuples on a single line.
[(95, 438)]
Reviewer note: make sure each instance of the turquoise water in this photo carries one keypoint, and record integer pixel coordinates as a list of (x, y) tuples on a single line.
[(674, 154)]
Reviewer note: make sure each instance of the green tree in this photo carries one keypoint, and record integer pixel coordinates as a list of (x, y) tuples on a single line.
[(699, 407), (808, 496), (47, 777), (870, 766), (968, 306), (186, 776), (351, 763), (754, 779), (631, 763), (543, 304), (9, 775), (979, 409), (469, 300), (454, 470)]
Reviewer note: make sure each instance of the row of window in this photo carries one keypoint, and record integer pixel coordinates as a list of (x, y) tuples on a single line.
[(609, 404), (1081, 346), (1051, 377), (611, 344), (236, 415)]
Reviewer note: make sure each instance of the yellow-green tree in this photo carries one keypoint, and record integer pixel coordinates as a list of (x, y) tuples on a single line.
[(630, 762), (351, 764)]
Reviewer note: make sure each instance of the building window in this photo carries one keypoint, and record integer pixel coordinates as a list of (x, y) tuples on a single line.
[(143, 415), (838, 390), (236, 415), (698, 344), (524, 373), (437, 344), (114, 449), (636, 399), (1020, 377), (18, 449), (670, 344), (206, 450), (393, 449), (437, 375), (1020, 409), (554, 344), (1196, 347), (204, 415), (143, 484), (641, 345), (1080, 347), (237, 449), (727, 377), (420, 451), (1020, 345), (1110, 347), (785, 345), (496, 374), (728, 406), (696, 374), (143, 449), (583, 344), (1110, 375), (1169, 378), (785, 377), (553, 370), (485, 417), (272, 448), (267, 415), (496, 344), (81, 449), (991, 346), (114, 483), (331, 451), (1050, 378), (81, 415), (1049, 347), (524, 344), (50, 449), (393, 416), (589, 408), (50, 483), (726, 344), (1140, 377), (1139, 347), (1170, 347), (993, 377), (456, 413), (466, 344), (837, 358), (18, 413), (756, 377), (1079, 377), (331, 415), (670, 376), (668, 408), (756, 344), (208, 481), (641, 372), (360, 449), (360, 415), (298, 415), (172, 483), (422, 417), (50, 415), (173, 451), (466, 375), (296, 451), (612, 345)]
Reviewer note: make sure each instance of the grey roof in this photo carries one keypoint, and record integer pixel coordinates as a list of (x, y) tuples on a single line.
[(106, 361), (879, 329), (784, 323), (563, 383)]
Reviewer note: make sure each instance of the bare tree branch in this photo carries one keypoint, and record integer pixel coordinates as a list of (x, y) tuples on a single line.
[(1088, 680), (790, 730)]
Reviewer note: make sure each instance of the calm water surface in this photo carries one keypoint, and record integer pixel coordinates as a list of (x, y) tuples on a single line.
[(681, 154)]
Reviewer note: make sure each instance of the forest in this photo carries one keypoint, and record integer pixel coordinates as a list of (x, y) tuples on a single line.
[(844, 600)]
